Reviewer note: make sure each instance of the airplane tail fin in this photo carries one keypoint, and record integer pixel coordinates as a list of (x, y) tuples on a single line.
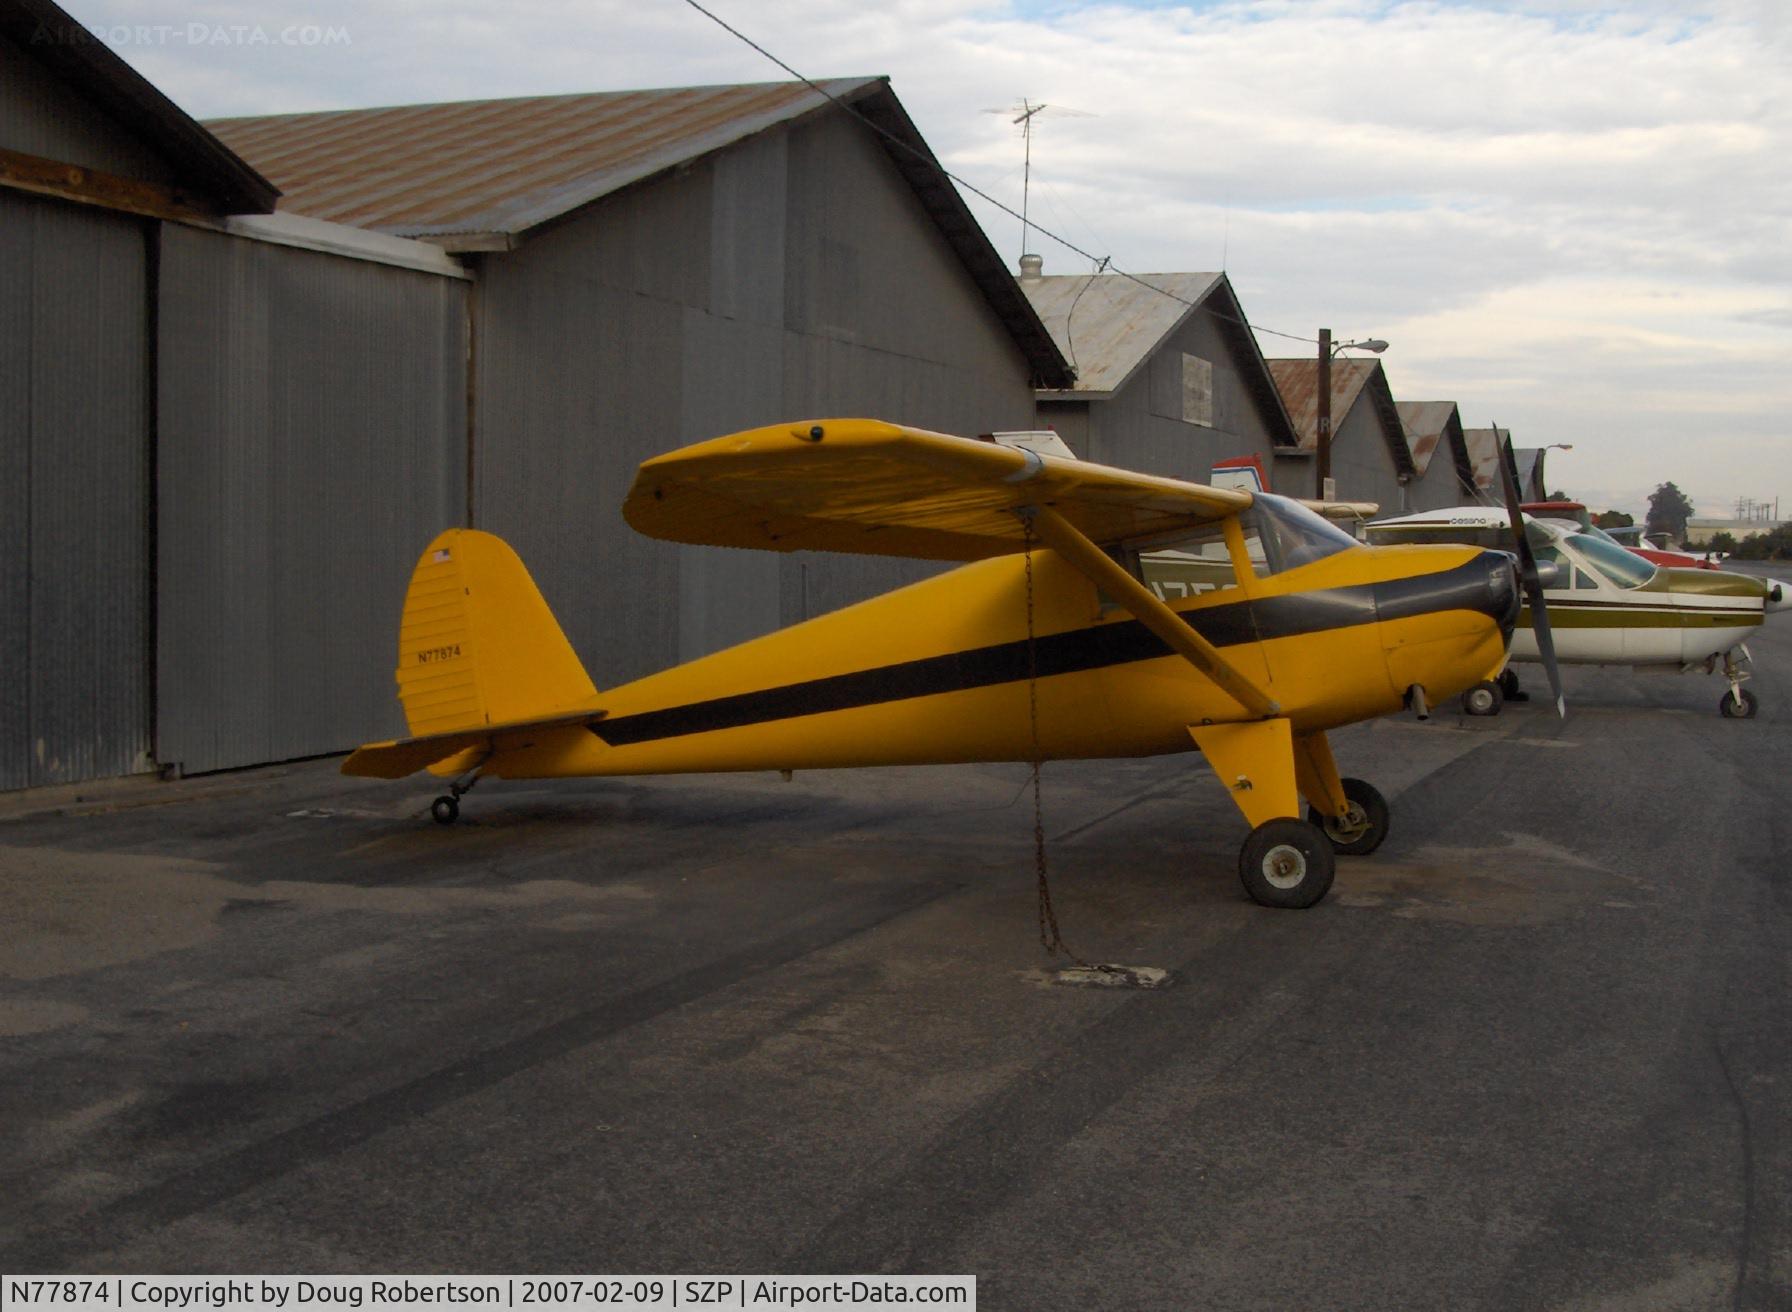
[(478, 646)]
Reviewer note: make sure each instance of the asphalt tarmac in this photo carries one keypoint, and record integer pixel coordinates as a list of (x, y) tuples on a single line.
[(1534, 1053)]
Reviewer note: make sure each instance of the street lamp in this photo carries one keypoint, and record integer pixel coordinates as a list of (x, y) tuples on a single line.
[(1326, 351), (1537, 473)]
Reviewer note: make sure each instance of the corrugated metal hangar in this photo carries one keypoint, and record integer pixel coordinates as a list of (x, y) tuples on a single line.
[(226, 432), (658, 267), (1369, 455), (1169, 378)]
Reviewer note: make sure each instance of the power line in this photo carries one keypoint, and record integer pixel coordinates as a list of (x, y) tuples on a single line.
[(928, 159)]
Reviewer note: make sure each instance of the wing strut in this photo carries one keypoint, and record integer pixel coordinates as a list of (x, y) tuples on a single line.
[(1144, 606)]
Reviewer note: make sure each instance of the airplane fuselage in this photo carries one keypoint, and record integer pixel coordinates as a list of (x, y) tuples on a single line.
[(1679, 617), (941, 671)]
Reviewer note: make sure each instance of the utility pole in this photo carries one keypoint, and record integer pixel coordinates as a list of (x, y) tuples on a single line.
[(1324, 400)]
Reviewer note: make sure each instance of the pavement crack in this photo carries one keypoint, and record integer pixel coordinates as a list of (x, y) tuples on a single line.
[(62, 1244)]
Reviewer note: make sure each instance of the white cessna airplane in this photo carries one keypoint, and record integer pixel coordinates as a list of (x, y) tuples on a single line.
[(1609, 606)]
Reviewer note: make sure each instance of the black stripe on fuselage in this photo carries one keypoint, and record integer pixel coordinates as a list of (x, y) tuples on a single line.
[(1077, 651)]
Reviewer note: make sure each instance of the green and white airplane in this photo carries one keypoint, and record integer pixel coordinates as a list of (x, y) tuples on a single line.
[(1609, 606)]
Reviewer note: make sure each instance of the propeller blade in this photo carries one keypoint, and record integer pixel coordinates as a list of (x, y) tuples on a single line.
[(1527, 570)]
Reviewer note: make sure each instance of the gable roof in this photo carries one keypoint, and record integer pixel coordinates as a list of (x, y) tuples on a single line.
[(210, 173), (1426, 423), (1484, 457), (1109, 325), (1529, 462), (1431, 427), (482, 174), (484, 168), (1298, 381)]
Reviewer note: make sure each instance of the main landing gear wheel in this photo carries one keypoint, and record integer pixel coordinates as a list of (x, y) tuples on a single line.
[(1360, 832), (1741, 704), (1483, 699), (446, 810), (1286, 863)]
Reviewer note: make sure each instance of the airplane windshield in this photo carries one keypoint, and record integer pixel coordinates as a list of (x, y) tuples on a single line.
[(1624, 568), (1295, 536)]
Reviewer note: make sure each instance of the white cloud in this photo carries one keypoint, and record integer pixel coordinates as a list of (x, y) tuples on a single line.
[(1567, 217)]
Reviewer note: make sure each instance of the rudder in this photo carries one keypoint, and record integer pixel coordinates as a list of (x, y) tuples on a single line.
[(478, 646)]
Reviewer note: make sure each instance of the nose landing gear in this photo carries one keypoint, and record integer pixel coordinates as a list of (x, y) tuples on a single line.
[(1738, 703), (1483, 699)]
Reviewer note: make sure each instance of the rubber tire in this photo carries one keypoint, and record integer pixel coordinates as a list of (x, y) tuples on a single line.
[(446, 810), (1375, 816), (1282, 841), (1730, 711), (1486, 696), (1509, 689)]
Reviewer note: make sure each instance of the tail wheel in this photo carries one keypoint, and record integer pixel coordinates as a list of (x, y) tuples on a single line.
[(445, 809), (1739, 704), (1363, 829), (1483, 699), (1287, 863)]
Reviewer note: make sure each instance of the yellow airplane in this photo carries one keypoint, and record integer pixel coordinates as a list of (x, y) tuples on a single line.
[(1103, 613)]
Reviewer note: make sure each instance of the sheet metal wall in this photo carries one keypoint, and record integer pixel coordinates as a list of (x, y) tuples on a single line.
[(1442, 484), (312, 419), (1361, 464), (793, 276), (1141, 426), (74, 493)]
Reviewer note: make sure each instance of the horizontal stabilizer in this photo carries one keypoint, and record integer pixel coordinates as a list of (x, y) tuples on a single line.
[(406, 756)]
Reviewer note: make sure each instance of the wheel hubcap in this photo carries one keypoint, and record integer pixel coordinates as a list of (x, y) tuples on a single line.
[(1284, 866), (1352, 827)]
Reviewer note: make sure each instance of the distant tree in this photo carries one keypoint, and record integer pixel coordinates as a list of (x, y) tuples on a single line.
[(1613, 519), (1558, 496), (1776, 545), (1721, 541), (1668, 512)]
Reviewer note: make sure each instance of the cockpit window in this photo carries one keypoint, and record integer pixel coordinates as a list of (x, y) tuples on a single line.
[(1624, 568), (1293, 536), (1190, 565), (1279, 534)]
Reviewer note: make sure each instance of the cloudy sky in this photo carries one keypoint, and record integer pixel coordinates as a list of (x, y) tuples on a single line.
[(1573, 219)]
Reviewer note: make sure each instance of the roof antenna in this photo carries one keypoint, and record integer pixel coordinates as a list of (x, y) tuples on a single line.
[(1024, 111)]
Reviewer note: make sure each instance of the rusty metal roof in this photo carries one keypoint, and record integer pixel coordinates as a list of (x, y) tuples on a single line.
[(44, 32), (1298, 382), (500, 167), (1426, 423), (477, 175), (1483, 446), (1108, 325)]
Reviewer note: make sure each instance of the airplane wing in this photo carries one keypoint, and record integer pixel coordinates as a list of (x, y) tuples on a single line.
[(864, 486), (1343, 511)]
